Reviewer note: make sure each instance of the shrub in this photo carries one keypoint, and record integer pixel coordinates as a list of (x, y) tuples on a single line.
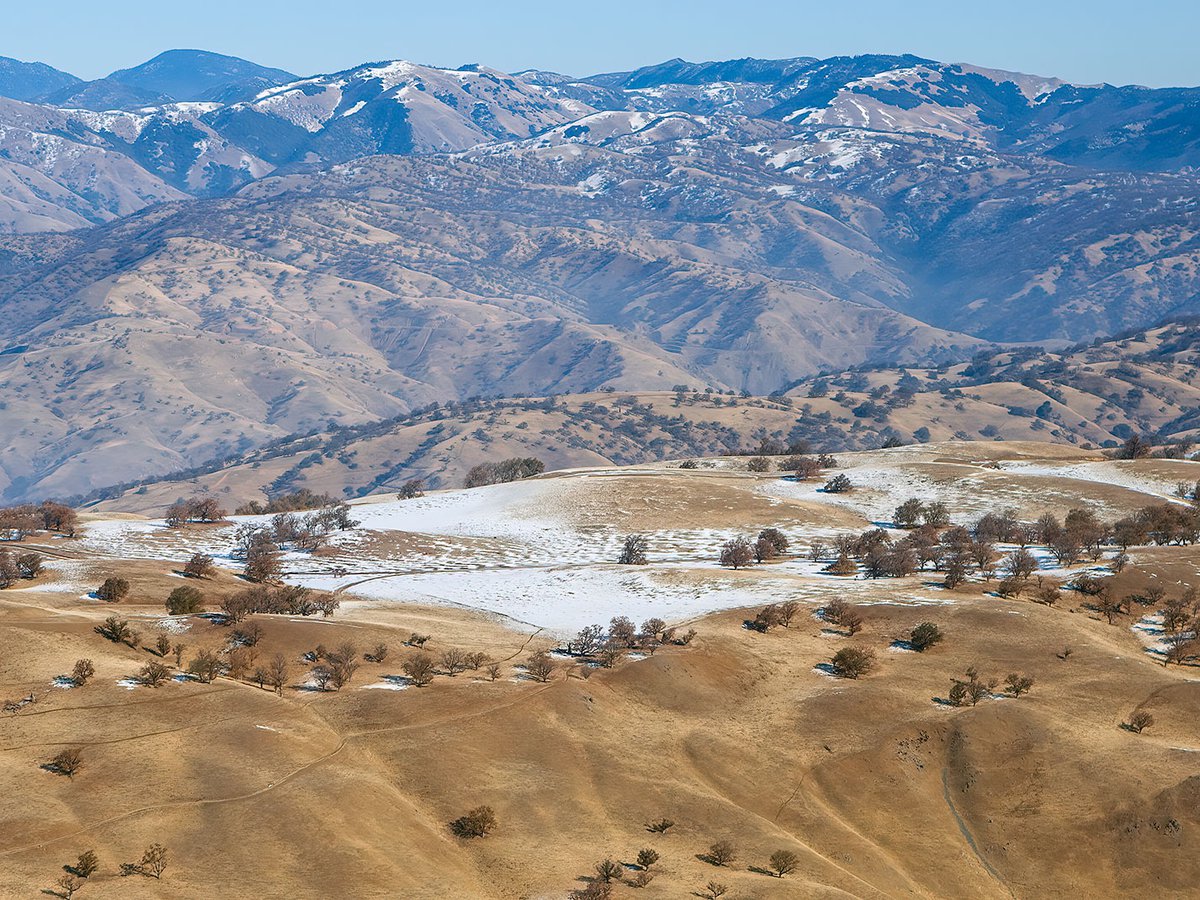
[(1018, 684), (476, 823), (113, 590), (661, 826), (411, 489), (758, 464), (647, 857), (972, 689), (86, 865), (607, 870), (184, 601), (66, 762), (853, 662), (716, 890), (838, 484), (200, 566), (29, 565), (1139, 721), (924, 636)]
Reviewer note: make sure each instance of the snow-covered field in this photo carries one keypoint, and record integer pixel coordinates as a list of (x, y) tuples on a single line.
[(519, 551)]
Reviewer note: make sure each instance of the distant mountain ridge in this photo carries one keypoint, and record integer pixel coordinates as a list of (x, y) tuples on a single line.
[(350, 246)]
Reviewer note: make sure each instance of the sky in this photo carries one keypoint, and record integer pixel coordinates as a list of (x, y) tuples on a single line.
[(1151, 42)]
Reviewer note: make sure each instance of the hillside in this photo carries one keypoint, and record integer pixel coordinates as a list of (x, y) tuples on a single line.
[(1094, 396), (738, 735)]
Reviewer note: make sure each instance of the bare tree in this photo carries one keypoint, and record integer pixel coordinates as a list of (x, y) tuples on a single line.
[(200, 566), (633, 551), (113, 590), (540, 667), (66, 762), (722, 853), (82, 671), (454, 661), (86, 865), (716, 890), (66, 885), (154, 674), (784, 862), (419, 668), (736, 553), (277, 673)]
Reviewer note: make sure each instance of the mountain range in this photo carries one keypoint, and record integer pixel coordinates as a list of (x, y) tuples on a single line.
[(203, 254)]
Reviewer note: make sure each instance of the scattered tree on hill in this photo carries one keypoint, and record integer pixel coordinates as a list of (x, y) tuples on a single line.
[(1139, 721), (1179, 649), (642, 878), (177, 650), (118, 631), (378, 654), (1019, 564), (716, 890), (853, 662), (758, 464), (593, 890), (206, 666), (277, 673), (633, 551), (776, 538), (185, 601), (154, 674), (787, 612), (152, 864), (453, 661), (1135, 447), (263, 560), (843, 565), (66, 886), (200, 566), (60, 518), (479, 822), (86, 865), (647, 857), (343, 663), (838, 484), (113, 590), (197, 509), (1017, 684), (936, 514), (784, 862), (29, 565), (852, 621), (411, 489), (540, 667), (722, 853), (924, 636), (661, 826), (608, 871), (419, 668), (972, 689), (82, 671), (908, 513), (508, 470), (162, 645), (66, 762), (736, 553)]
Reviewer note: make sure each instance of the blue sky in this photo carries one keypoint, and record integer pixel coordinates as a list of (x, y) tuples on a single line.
[(1151, 42)]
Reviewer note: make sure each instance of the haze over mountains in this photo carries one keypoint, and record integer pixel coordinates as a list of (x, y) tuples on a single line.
[(204, 254)]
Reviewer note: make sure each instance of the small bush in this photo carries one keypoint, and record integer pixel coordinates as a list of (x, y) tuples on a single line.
[(477, 823)]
